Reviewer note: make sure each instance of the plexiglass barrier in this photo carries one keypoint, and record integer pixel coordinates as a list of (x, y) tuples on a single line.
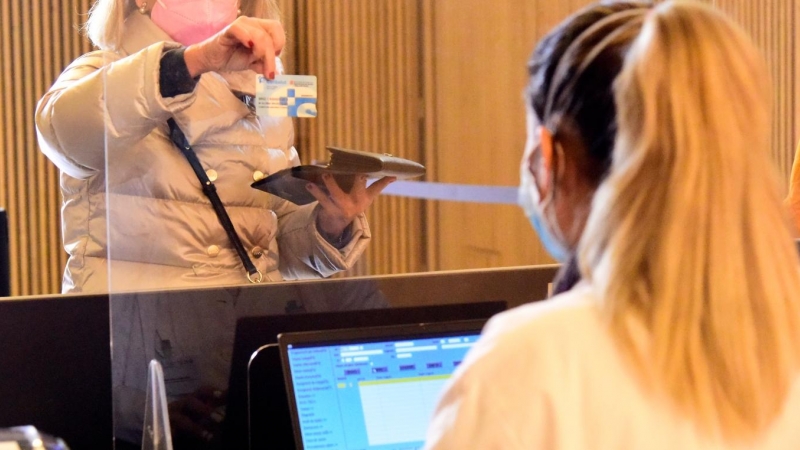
[(167, 221), (156, 434), (204, 338)]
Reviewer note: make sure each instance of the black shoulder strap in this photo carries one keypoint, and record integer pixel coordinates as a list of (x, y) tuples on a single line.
[(210, 191)]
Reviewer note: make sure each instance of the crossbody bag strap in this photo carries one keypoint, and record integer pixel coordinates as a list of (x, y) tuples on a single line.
[(210, 191)]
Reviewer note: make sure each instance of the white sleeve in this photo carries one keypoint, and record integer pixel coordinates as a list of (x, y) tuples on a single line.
[(493, 400)]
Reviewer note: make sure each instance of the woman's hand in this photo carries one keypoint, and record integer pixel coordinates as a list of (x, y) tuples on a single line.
[(339, 208), (196, 418), (247, 43)]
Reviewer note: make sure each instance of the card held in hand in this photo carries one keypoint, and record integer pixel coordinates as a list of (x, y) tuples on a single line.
[(344, 165)]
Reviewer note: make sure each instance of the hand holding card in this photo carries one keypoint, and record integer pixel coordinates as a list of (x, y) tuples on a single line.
[(247, 43)]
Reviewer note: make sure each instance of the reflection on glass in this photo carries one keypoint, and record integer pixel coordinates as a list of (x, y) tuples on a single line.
[(204, 338), (191, 334)]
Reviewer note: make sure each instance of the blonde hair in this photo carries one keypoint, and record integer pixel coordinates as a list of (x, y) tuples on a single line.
[(687, 237), (107, 18)]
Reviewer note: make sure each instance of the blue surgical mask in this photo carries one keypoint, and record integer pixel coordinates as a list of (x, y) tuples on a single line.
[(528, 200), (553, 246)]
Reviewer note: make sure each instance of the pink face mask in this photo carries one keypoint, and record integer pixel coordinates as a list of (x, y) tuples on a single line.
[(193, 21)]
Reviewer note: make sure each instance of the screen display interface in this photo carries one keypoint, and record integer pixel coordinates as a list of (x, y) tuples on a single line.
[(372, 395)]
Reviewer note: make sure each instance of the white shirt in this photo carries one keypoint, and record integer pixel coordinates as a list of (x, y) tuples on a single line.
[(548, 375)]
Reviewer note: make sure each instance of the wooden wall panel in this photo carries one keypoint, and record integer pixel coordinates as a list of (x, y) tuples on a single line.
[(396, 76), (39, 38), (475, 128), (772, 24), (365, 54), (288, 11), (473, 47)]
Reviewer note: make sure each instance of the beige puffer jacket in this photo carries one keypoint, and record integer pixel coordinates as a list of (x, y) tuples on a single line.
[(142, 208)]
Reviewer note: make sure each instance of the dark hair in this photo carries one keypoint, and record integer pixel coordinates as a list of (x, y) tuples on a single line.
[(582, 98)]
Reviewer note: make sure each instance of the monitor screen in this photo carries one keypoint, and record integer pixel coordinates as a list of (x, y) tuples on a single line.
[(372, 394)]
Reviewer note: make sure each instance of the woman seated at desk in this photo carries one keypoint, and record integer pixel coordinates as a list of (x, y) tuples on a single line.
[(685, 333)]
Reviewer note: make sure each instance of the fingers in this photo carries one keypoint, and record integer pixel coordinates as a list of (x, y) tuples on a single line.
[(375, 188), (339, 208), (265, 40), (321, 196), (258, 42), (183, 425), (187, 415), (238, 33), (338, 197), (269, 40), (276, 33), (195, 416), (332, 186), (258, 67), (269, 43), (359, 185), (196, 408), (264, 52), (211, 395)]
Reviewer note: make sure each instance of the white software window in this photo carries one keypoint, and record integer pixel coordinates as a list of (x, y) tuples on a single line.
[(399, 410)]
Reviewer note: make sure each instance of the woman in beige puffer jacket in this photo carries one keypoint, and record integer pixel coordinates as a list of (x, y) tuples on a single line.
[(134, 216)]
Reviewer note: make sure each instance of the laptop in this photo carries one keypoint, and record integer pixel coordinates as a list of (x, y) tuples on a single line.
[(263, 404), (370, 388)]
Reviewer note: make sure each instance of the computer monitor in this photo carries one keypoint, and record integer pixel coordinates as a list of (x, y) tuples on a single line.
[(258, 414), (370, 388)]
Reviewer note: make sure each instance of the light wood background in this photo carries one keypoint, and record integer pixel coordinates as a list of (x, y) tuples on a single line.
[(366, 56), (475, 73), (478, 132), (39, 38), (438, 81)]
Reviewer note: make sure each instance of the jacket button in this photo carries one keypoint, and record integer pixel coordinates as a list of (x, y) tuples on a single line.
[(212, 250), (257, 252), (257, 175), (212, 174)]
